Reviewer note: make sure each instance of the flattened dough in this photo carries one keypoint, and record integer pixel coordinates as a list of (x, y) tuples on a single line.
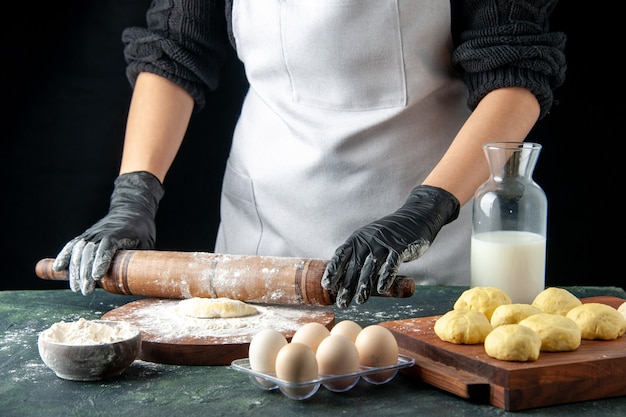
[(482, 299), (211, 308), (557, 333), (556, 301), (513, 342), (598, 321), (462, 326)]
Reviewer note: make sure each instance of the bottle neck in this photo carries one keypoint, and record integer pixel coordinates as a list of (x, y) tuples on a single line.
[(512, 161)]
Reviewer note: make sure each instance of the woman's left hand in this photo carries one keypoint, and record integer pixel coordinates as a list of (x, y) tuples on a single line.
[(371, 256)]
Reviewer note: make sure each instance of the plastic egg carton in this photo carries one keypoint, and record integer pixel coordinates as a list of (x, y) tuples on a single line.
[(337, 383)]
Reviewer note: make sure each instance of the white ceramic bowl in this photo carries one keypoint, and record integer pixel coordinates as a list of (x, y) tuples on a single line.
[(89, 361)]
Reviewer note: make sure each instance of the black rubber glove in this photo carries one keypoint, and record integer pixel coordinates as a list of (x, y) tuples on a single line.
[(370, 258), (129, 224)]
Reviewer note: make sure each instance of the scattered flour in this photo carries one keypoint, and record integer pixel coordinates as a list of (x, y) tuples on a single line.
[(89, 332)]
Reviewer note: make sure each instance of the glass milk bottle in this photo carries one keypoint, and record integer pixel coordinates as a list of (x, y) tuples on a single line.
[(508, 247)]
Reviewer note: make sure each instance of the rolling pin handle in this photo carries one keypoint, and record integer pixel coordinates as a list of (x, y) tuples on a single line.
[(44, 270), (402, 287)]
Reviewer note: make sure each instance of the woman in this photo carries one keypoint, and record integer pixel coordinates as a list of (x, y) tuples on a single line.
[(358, 140)]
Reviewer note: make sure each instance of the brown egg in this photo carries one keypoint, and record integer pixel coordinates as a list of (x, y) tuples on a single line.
[(337, 355), (296, 362), (377, 347), (347, 328), (311, 334), (262, 353)]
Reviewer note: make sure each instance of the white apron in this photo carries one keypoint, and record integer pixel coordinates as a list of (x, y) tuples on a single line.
[(351, 104)]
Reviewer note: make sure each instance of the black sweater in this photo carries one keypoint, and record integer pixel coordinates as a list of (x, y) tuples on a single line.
[(498, 43)]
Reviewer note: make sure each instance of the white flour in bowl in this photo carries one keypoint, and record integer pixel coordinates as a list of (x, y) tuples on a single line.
[(88, 332)]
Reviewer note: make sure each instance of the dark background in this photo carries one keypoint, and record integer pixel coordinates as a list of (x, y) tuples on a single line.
[(65, 97)]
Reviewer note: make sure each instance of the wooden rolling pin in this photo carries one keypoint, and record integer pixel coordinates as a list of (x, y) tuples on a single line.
[(179, 275)]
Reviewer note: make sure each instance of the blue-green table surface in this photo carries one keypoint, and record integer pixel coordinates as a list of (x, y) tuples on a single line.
[(29, 388)]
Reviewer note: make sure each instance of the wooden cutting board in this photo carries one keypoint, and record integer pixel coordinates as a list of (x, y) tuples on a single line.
[(597, 369), (170, 337)]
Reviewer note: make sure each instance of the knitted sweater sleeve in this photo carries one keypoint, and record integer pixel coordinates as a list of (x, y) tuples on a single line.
[(185, 41), (506, 43)]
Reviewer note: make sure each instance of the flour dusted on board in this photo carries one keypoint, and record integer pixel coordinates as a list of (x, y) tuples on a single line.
[(162, 322)]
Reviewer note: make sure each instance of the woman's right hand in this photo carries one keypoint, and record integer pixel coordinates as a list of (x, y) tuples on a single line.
[(129, 224)]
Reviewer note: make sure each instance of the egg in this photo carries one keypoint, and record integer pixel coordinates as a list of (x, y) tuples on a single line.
[(347, 328), (336, 355), (296, 362), (311, 334), (377, 347), (262, 352)]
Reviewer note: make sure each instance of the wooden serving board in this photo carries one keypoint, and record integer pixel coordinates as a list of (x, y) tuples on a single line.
[(167, 336), (597, 369)]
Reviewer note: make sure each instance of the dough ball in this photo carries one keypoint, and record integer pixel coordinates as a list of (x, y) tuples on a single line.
[(622, 309), (210, 308), (512, 313), (556, 301), (463, 326), (482, 299), (598, 321), (513, 342), (557, 333)]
